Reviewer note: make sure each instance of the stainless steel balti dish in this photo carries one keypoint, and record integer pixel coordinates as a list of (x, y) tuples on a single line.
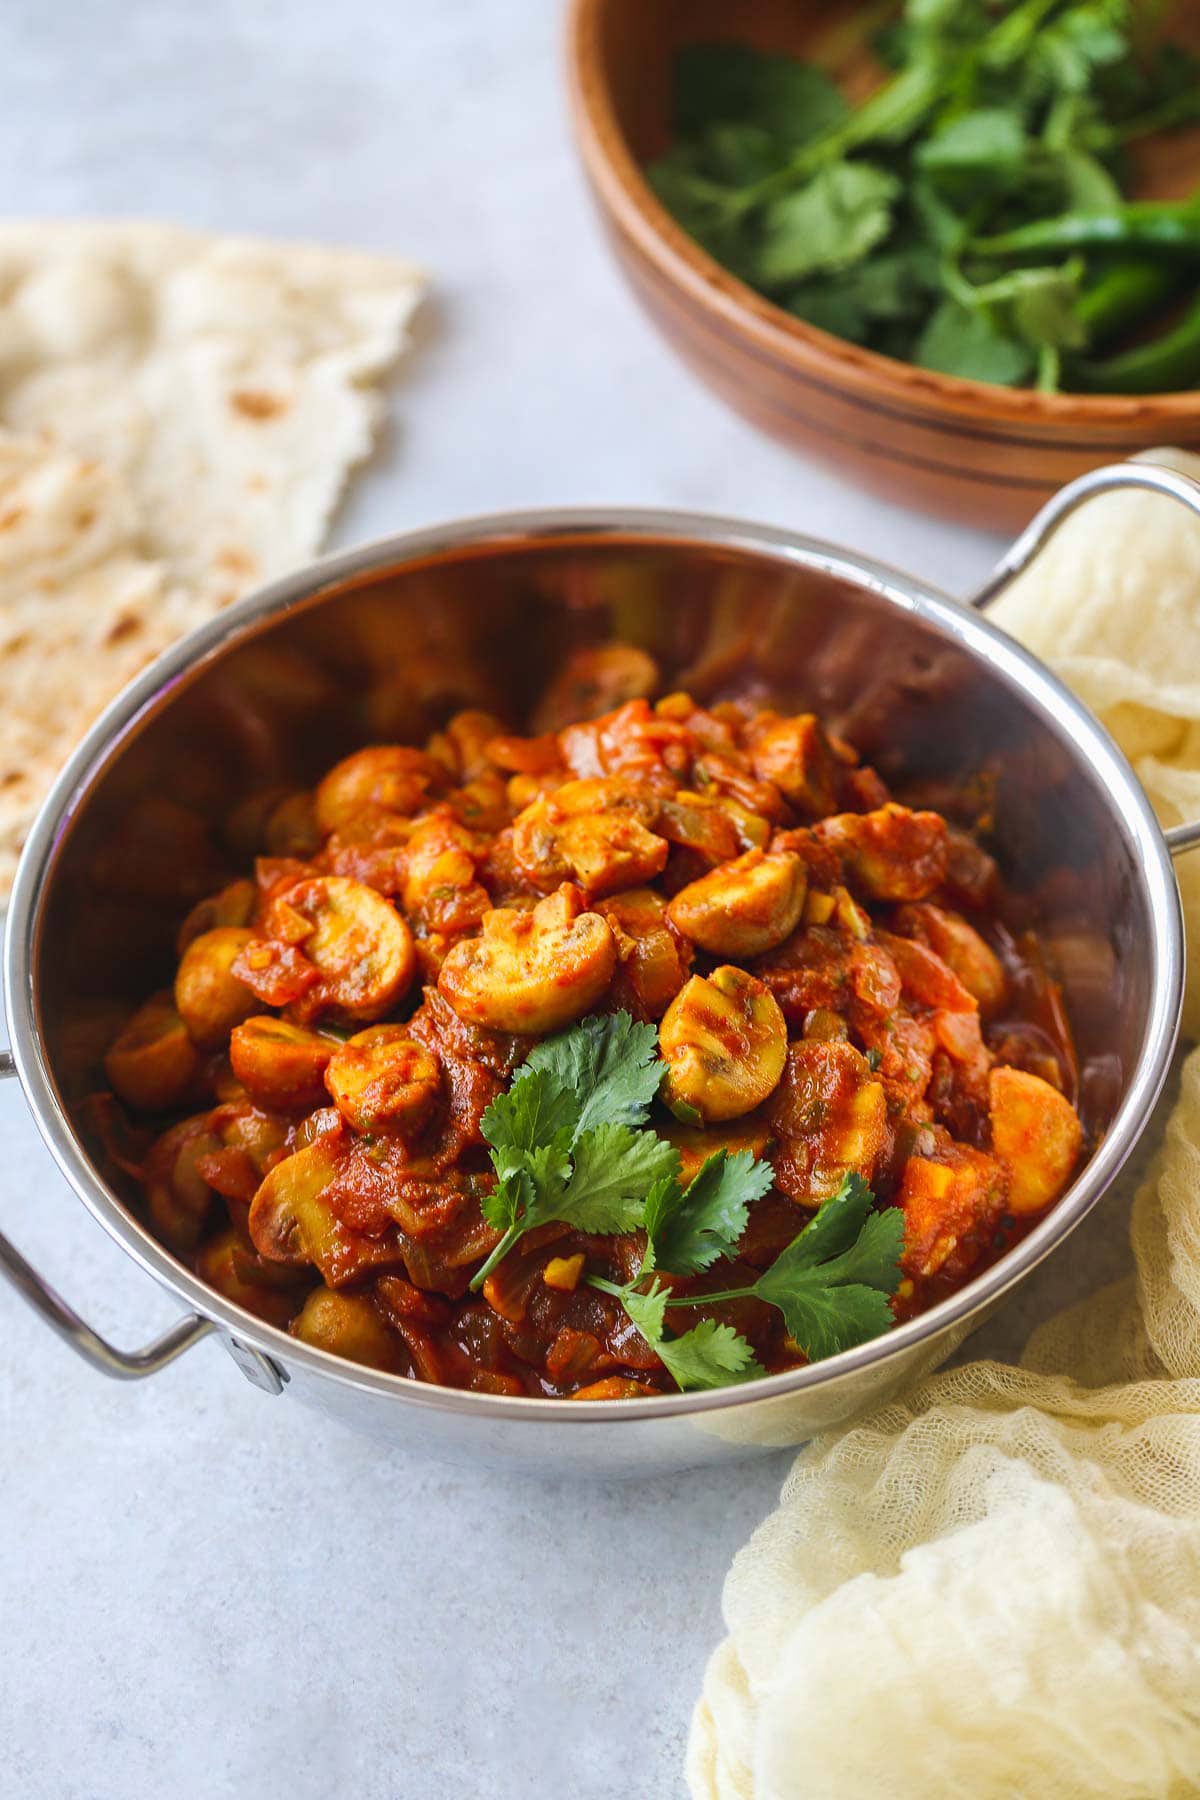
[(358, 648)]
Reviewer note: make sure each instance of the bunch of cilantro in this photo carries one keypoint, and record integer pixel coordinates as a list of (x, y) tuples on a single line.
[(571, 1143), (862, 220)]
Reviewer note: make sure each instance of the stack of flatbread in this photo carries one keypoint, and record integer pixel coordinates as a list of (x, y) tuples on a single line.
[(178, 415)]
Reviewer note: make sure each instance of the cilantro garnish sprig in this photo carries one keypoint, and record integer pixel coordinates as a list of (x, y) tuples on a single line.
[(571, 1143), (832, 1284), (834, 1281), (566, 1139)]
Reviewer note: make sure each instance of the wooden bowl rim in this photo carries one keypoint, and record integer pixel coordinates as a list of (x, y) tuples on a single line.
[(634, 207)]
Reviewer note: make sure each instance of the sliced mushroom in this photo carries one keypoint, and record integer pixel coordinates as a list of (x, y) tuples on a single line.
[(281, 1065), (152, 1063), (439, 886), (349, 1325), (593, 831), (532, 971), (381, 1080), (179, 1198), (234, 905), (704, 824), (724, 1043), (292, 1220), (210, 997), (355, 939), (462, 745), (743, 908), (223, 1263), (392, 776)]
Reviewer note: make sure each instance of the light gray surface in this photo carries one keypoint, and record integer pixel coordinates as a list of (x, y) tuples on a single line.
[(207, 1592)]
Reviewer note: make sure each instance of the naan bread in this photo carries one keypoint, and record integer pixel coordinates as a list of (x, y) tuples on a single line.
[(81, 611), (178, 416)]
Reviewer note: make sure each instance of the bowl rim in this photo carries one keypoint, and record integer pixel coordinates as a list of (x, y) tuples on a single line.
[(508, 533), (763, 327)]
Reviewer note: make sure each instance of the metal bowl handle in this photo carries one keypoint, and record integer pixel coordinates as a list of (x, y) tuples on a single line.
[(1039, 531), (123, 1365)]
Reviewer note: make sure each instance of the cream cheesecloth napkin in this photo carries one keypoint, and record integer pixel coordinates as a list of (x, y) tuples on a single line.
[(993, 1589)]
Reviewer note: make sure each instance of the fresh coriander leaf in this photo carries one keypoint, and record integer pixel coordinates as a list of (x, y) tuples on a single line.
[(931, 15), (741, 154), (833, 1280), (692, 1228), (732, 83), (536, 1110), (686, 188), (898, 283), (615, 1168), (979, 152), (825, 1320), (1044, 312), (507, 1200), (706, 211), (563, 1139), (891, 286), (831, 222), (549, 1172), (1087, 185), (873, 1259), (601, 1072), (1039, 304), (1065, 54), (1025, 102), (710, 1355), (663, 1200), (834, 1226), (649, 1256), (959, 340), (647, 1310), (525, 1196), (830, 1303), (939, 222), (608, 1066), (831, 309)]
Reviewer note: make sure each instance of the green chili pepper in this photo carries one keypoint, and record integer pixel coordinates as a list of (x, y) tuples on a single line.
[(1122, 295), (1168, 228), (1164, 365)]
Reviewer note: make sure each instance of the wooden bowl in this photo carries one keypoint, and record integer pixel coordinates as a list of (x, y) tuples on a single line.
[(986, 455)]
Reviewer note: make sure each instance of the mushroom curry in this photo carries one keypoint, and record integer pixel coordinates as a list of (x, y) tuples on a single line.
[(661, 1048)]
